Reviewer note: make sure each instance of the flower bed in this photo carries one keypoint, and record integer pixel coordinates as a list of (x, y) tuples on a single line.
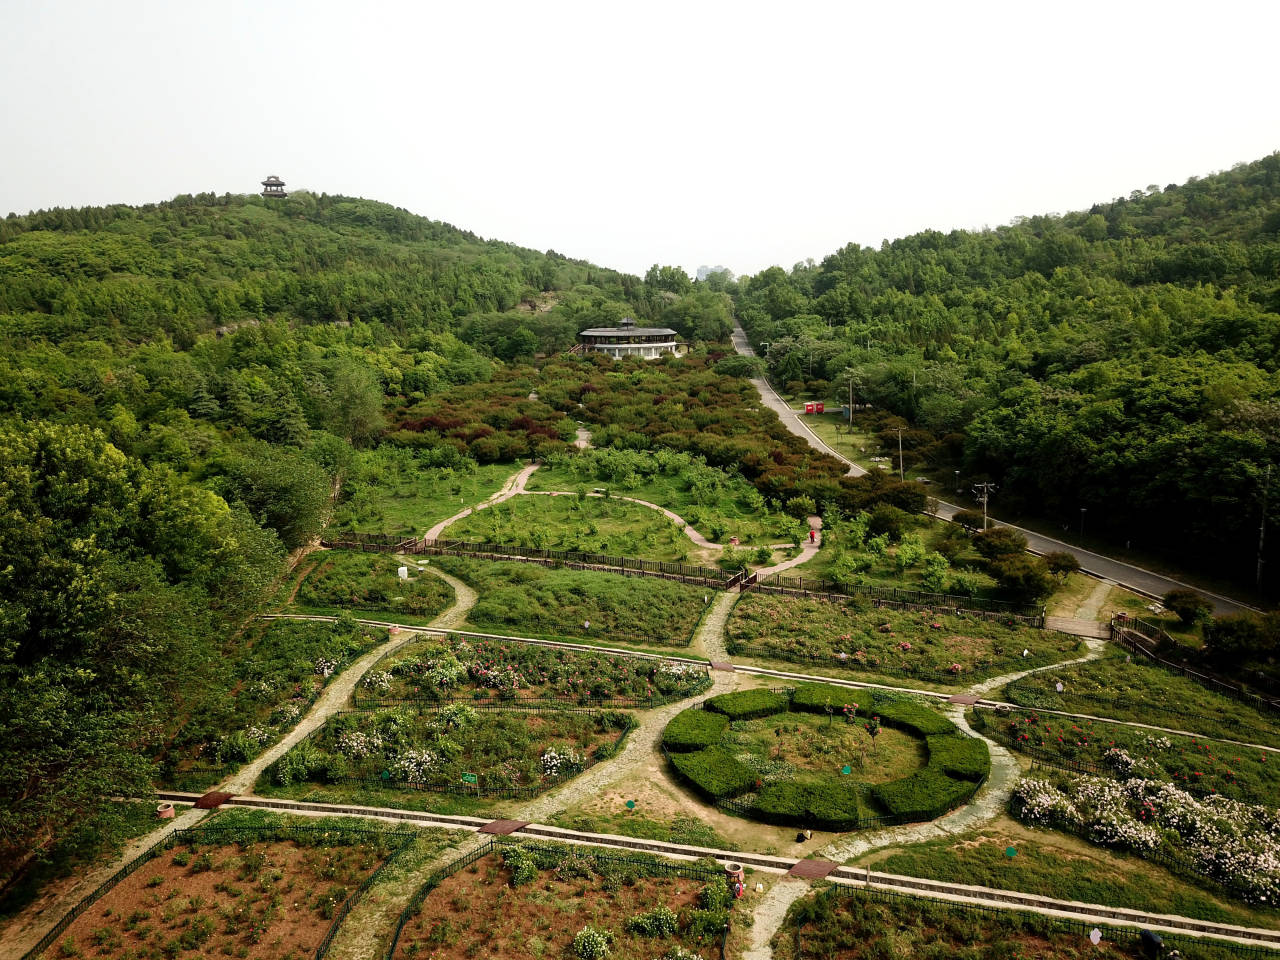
[(511, 753), (856, 636), (1196, 764), (788, 757), (533, 901), (529, 600), (482, 669), (1235, 844), (283, 667)]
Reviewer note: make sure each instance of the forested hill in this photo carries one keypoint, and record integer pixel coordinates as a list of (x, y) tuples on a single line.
[(183, 388), (1122, 359)]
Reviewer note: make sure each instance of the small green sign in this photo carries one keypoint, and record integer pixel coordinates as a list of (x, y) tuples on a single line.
[(386, 774), (631, 804), (846, 770), (1010, 852), (470, 778)]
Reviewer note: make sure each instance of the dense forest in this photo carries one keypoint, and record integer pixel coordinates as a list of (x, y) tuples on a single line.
[(1123, 359)]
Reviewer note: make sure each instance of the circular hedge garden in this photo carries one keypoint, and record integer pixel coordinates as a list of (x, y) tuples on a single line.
[(757, 754)]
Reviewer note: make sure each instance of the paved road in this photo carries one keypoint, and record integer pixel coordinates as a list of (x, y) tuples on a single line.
[(1137, 579)]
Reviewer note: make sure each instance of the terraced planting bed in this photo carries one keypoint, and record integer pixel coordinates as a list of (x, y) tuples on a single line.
[(813, 758), (839, 924), (1198, 764), (854, 635), (269, 893), (1138, 690), (525, 599), (589, 524), (434, 670), (535, 902), (283, 667), (510, 753), (351, 580)]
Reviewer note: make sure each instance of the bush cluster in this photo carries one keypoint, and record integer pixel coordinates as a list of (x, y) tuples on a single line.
[(749, 704), (694, 730)]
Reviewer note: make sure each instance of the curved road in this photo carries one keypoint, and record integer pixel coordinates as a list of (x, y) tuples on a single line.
[(1139, 580)]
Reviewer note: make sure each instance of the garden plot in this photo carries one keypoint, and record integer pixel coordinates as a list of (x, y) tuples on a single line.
[(589, 524), (489, 671), (534, 902), (529, 600), (813, 758), (281, 669), (1132, 689), (509, 753), (348, 580), (267, 894), (852, 634), (1196, 764), (397, 490), (717, 504), (840, 924), (1232, 845)]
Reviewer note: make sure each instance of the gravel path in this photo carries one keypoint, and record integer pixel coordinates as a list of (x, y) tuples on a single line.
[(768, 913), (515, 484)]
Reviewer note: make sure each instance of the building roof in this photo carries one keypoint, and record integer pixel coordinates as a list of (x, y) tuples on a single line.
[(629, 331)]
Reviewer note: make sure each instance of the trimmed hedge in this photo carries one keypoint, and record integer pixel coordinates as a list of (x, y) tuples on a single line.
[(959, 756), (694, 730), (827, 806), (749, 704), (912, 717), (925, 794), (715, 772), (814, 697)]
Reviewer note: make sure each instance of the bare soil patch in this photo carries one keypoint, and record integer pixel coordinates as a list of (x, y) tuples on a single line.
[(269, 900)]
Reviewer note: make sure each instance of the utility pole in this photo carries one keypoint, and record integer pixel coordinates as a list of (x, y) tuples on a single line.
[(982, 492), (900, 468), (1262, 524)]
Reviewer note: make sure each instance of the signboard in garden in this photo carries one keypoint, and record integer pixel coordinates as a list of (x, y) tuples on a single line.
[(470, 778)]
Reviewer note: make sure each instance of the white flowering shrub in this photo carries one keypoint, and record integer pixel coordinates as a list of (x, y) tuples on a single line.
[(325, 666), (454, 716), (357, 745), (378, 681), (1236, 844), (413, 766), (591, 944), (286, 714), (559, 761), (258, 735), (503, 678)]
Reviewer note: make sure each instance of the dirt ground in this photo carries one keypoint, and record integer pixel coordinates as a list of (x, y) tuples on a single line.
[(272, 900)]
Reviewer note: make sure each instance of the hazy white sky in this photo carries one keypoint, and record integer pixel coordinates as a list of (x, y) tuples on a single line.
[(738, 133)]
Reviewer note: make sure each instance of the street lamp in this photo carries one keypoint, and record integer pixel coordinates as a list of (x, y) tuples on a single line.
[(957, 481), (1082, 510)]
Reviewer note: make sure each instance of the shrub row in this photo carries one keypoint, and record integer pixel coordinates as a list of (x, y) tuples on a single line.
[(923, 795), (749, 704), (965, 758), (715, 772), (694, 730), (833, 805)]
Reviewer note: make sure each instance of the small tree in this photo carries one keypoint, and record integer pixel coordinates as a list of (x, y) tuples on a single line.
[(1189, 606), (1062, 564), (971, 520), (999, 542), (872, 727)]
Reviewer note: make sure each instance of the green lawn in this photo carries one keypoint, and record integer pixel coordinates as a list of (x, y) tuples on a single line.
[(1053, 865), (1138, 690), (390, 491), (349, 580), (893, 643), (589, 524), (529, 600), (718, 505)]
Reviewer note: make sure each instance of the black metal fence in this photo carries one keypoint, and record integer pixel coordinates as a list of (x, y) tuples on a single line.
[(1082, 928), (893, 597), (1144, 638), (651, 867), (525, 553), (232, 835)]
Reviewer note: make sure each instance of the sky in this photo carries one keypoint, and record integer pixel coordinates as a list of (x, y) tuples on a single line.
[(744, 134)]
